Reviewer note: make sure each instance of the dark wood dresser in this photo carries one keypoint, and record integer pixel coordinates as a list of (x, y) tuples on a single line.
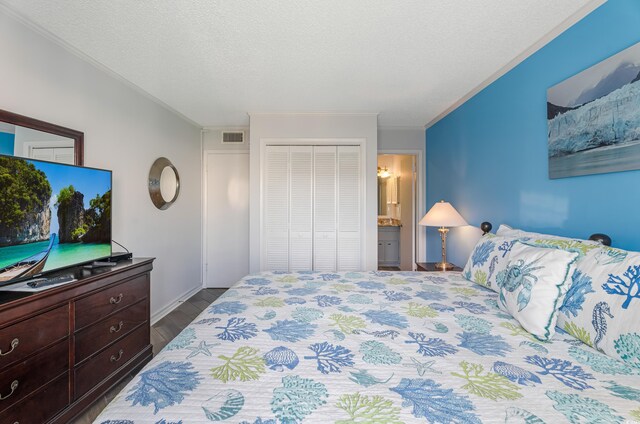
[(62, 348)]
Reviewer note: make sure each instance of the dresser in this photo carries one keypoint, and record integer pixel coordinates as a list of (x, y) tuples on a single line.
[(62, 348)]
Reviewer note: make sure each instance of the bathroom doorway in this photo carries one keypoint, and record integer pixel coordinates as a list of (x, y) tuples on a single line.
[(397, 211)]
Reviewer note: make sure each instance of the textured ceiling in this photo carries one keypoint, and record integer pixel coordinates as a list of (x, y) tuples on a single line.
[(213, 61)]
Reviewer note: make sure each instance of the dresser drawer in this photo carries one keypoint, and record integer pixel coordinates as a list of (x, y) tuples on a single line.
[(109, 360), (41, 406), (24, 378), (21, 340), (97, 306), (102, 333)]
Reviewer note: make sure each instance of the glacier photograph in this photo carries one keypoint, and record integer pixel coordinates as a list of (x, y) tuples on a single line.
[(594, 118)]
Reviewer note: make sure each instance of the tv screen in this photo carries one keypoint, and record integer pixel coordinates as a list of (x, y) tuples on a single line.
[(52, 216)]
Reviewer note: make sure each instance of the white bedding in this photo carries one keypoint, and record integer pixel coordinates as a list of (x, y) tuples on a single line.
[(371, 347)]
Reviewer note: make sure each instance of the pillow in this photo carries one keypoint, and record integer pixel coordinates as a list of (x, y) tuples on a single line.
[(532, 285), (602, 306), (547, 240), (487, 258)]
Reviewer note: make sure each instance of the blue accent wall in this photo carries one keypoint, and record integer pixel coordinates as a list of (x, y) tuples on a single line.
[(6, 143), (489, 156)]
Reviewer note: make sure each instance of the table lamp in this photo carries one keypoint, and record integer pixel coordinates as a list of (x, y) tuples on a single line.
[(443, 215)]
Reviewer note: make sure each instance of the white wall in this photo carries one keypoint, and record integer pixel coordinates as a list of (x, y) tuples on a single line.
[(125, 132), (316, 126), (401, 138)]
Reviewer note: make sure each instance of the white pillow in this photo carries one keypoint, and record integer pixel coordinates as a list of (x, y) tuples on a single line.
[(532, 285), (602, 307), (487, 258), (547, 240), (506, 231)]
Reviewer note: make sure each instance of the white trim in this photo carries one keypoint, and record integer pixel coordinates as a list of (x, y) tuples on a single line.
[(325, 113), (85, 57), (211, 128), (203, 208), (421, 198), (161, 313), (546, 39), (340, 141), (205, 167), (400, 127)]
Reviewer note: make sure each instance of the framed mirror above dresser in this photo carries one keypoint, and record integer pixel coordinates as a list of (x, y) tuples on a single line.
[(31, 138)]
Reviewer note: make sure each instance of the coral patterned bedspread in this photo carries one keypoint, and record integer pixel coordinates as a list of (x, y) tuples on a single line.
[(372, 347)]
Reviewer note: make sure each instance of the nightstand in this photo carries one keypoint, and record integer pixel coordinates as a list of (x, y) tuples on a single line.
[(431, 267)]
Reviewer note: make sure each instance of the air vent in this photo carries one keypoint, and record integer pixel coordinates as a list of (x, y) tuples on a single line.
[(233, 137)]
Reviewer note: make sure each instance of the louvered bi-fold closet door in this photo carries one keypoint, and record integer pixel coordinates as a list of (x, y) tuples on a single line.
[(348, 208), (301, 208), (324, 208), (276, 208)]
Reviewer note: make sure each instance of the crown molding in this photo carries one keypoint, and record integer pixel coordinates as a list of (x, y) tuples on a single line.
[(313, 113), (401, 127), (225, 128), (546, 39)]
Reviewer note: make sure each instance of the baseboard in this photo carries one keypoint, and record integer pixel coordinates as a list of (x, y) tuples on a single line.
[(158, 315)]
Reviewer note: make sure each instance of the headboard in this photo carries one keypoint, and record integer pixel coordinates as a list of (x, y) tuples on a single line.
[(601, 238)]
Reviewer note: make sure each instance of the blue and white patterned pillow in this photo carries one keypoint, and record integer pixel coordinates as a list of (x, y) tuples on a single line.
[(602, 306), (488, 256), (547, 240), (533, 284)]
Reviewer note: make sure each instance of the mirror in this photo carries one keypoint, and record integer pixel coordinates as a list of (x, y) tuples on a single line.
[(164, 183), (27, 137), (387, 194), (382, 197)]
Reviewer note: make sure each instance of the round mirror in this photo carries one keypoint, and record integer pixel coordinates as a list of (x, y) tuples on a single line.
[(164, 183)]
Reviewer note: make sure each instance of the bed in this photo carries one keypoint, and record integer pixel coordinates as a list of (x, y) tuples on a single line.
[(372, 347)]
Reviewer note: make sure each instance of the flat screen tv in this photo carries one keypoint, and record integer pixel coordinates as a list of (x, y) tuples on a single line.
[(52, 216)]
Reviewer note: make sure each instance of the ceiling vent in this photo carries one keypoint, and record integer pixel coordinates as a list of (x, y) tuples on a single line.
[(232, 137)]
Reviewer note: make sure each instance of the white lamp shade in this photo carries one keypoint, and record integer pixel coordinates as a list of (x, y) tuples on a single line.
[(442, 214)]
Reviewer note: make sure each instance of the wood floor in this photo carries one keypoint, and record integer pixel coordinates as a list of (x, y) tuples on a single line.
[(161, 333)]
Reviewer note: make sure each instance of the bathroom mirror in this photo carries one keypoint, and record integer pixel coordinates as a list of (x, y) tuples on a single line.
[(382, 197), (387, 194), (164, 183), (30, 138)]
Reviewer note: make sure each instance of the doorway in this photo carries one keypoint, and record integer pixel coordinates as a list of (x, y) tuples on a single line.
[(226, 217), (397, 211)]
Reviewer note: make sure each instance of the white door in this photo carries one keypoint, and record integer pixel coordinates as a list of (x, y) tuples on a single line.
[(407, 212), (324, 213), (276, 209), (348, 208), (301, 209), (227, 217)]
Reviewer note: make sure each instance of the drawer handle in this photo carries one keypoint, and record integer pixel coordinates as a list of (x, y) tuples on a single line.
[(14, 344), (115, 358), (113, 328), (116, 300), (14, 386)]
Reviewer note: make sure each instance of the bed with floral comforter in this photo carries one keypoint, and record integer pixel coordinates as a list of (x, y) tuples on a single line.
[(372, 347)]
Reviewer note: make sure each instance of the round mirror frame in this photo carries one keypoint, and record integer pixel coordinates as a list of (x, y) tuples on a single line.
[(154, 183)]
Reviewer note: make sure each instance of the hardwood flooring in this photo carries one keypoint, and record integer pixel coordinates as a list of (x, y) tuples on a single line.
[(161, 333)]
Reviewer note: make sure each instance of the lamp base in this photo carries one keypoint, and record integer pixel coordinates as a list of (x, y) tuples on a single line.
[(444, 266)]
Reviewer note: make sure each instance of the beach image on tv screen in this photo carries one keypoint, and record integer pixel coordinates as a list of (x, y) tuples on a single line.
[(51, 216)]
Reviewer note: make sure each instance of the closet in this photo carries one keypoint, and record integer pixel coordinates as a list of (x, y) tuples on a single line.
[(312, 208)]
